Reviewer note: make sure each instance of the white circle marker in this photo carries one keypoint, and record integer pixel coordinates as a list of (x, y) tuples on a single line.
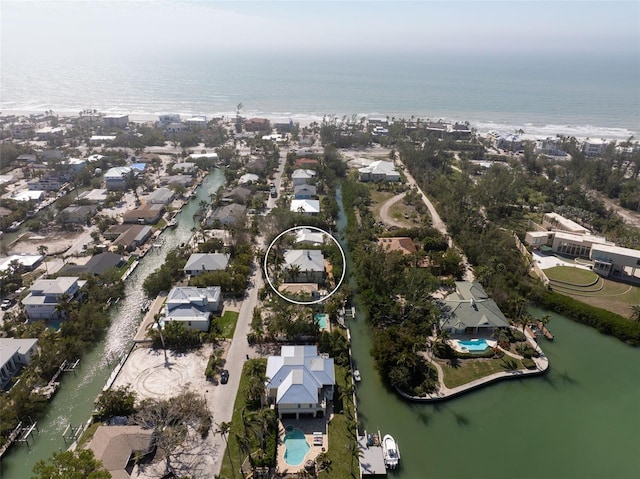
[(324, 298)]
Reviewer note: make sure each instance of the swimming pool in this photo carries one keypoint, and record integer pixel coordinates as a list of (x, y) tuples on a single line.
[(321, 320), (474, 345), (296, 447)]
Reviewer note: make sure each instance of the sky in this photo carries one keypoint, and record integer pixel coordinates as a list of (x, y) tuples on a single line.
[(35, 27)]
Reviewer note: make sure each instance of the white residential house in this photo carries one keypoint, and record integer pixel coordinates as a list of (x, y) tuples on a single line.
[(594, 147), (193, 306), (116, 178), (162, 196), (45, 294), (196, 123), (304, 266), (199, 263), (302, 176), (14, 354), (379, 171), (309, 236), (116, 121), (166, 119), (301, 382), (306, 207)]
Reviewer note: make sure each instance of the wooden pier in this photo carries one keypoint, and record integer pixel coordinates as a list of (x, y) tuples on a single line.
[(372, 456), (20, 433)]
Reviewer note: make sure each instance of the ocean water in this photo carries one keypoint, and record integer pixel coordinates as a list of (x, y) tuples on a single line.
[(541, 94)]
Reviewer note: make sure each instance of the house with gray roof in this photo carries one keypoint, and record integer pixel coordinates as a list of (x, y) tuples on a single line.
[(14, 355), (199, 263), (227, 215), (45, 294), (116, 447), (193, 306), (162, 196), (469, 310), (304, 266), (300, 381), (304, 192), (97, 265), (302, 176), (116, 178), (379, 171)]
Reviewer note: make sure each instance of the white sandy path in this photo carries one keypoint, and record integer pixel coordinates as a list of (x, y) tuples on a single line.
[(385, 217)]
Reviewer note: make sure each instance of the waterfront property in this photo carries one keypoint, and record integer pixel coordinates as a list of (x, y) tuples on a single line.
[(116, 447), (14, 354), (193, 306), (469, 310), (45, 295), (300, 381)]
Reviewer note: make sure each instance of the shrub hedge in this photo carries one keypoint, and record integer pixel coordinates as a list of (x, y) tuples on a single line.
[(604, 321)]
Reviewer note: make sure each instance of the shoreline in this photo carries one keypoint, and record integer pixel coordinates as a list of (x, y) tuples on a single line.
[(535, 128)]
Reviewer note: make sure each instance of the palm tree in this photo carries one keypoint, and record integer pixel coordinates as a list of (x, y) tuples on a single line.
[(223, 430), (43, 250), (635, 313)]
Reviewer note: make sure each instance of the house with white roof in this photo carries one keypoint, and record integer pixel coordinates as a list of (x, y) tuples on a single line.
[(306, 207), (196, 122), (162, 196), (45, 294), (29, 195), (14, 354), (301, 382), (193, 306), (594, 147), (309, 236), (199, 263), (302, 176), (116, 178), (304, 266), (248, 178), (379, 171), (616, 261)]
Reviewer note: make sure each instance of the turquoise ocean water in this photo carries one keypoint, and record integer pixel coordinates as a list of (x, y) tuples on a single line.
[(542, 94)]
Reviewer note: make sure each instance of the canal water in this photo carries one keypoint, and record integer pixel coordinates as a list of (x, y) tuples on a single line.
[(581, 420), (73, 403)]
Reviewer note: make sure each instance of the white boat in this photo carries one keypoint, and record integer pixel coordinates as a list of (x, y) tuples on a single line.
[(356, 376), (390, 451)]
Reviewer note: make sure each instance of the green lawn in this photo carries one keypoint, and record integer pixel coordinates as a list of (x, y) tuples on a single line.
[(227, 323), (469, 369), (568, 274)]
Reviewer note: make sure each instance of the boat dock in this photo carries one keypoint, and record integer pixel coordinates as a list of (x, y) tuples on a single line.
[(372, 457), (545, 332)]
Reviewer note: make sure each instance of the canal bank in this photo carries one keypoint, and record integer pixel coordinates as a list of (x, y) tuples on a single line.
[(578, 420), (73, 403)]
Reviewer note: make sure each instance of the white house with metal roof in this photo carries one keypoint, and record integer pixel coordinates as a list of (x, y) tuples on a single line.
[(199, 263), (379, 171), (306, 207), (300, 381), (14, 354), (45, 294), (193, 306), (304, 266)]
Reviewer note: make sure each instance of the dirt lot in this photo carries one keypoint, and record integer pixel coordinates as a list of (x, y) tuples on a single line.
[(58, 242)]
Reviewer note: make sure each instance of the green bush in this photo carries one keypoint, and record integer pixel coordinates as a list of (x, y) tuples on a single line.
[(528, 363)]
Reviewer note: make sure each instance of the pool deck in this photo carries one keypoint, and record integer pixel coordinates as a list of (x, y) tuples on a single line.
[(310, 427), (371, 459)]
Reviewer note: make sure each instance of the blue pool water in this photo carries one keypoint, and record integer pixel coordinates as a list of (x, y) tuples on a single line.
[(296, 447), (474, 345), (321, 320)]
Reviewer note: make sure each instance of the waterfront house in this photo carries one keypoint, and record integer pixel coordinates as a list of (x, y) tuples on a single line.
[(469, 310), (239, 194), (304, 192), (119, 447), (115, 121), (161, 196), (301, 382), (302, 176), (45, 294), (193, 306), (305, 207), (304, 266), (129, 237), (196, 123), (146, 214), (14, 354), (594, 147), (248, 178), (199, 263), (379, 171), (77, 214), (97, 265), (228, 215), (257, 124)]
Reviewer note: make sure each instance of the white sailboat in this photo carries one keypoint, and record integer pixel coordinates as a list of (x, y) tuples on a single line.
[(391, 452)]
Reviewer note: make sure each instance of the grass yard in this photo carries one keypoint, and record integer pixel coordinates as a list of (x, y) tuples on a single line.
[(568, 274), (227, 323), (468, 370), (377, 200)]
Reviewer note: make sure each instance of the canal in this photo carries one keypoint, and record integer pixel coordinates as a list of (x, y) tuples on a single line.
[(579, 420), (73, 403)]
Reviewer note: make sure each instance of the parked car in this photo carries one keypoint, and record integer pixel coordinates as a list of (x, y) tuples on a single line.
[(224, 376), (6, 304)]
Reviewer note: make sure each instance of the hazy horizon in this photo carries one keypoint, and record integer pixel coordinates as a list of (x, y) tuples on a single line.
[(38, 28)]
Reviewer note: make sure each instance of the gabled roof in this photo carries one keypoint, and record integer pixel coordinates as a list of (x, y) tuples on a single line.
[(380, 168), (304, 188), (190, 294), (307, 259), (9, 347), (306, 235), (305, 206), (207, 262), (53, 286), (114, 446), (303, 173), (98, 264), (298, 387)]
